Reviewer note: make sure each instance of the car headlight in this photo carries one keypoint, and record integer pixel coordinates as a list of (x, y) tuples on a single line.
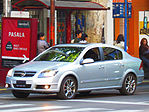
[(47, 73), (10, 72)]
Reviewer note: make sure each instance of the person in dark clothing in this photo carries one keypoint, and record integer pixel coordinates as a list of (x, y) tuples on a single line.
[(144, 52), (120, 38), (84, 38), (78, 36), (120, 41)]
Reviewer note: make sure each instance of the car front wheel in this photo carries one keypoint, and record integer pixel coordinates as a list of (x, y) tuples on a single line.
[(68, 88), (129, 85), (20, 94)]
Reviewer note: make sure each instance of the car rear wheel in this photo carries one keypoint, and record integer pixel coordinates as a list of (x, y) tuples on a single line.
[(129, 85), (68, 88), (20, 94)]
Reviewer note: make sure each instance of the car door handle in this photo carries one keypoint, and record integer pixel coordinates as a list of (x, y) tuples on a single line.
[(121, 65), (101, 67)]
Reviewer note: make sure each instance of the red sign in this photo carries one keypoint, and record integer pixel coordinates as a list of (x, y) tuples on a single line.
[(121, 1), (16, 39)]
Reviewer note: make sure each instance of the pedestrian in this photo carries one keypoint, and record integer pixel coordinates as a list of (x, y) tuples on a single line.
[(120, 41), (41, 43), (77, 39), (144, 52), (84, 38)]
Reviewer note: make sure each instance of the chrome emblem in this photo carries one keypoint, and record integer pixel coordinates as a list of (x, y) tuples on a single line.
[(22, 74)]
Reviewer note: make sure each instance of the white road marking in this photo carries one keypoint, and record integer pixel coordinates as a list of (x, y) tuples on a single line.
[(34, 109), (125, 111), (80, 110), (14, 105), (114, 102)]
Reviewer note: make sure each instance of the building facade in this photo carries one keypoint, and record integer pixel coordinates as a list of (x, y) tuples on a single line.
[(138, 26), (91, 22)]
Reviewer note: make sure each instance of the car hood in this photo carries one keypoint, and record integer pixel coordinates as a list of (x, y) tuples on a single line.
[(40, 65)]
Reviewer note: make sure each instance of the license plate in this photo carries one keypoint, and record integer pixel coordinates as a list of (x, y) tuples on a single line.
[(20, 82)]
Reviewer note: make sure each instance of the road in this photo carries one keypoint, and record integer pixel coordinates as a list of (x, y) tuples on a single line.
[(97, 101)]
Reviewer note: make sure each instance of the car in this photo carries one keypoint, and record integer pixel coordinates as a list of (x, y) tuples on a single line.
[(69, 69)]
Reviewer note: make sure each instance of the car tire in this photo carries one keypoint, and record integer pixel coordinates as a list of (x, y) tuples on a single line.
[(68, 88), (129, 85), (85, 92), (20, 94)]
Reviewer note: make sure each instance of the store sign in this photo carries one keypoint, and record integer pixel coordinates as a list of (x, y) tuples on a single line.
[(119, 9), (16, 39), (23, 24), (20, 14), (144, 25), (129, 11)]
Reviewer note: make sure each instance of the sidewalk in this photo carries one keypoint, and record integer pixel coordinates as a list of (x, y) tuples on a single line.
[(4, 90)]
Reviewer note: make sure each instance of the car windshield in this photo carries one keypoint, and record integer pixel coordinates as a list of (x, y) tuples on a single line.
[(61, 54)]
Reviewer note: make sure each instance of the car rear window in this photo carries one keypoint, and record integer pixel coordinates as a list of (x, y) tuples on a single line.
[(112, 54)]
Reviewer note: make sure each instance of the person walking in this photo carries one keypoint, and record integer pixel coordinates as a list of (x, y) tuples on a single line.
[(144, 52), (41, 43)]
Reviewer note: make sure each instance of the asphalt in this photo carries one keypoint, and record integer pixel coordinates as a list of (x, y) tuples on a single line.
[(5, 90)]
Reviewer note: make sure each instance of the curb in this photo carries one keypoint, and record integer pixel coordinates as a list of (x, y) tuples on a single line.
[(145, 82), (4, 90)]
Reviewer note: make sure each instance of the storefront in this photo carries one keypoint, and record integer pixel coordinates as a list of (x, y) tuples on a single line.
[(69, 16)]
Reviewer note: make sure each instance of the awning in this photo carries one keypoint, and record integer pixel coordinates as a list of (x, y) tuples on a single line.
[(28, 4)]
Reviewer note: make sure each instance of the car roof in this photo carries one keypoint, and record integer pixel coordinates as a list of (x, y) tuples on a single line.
[(90, 45), (73, 45), (85, 45)]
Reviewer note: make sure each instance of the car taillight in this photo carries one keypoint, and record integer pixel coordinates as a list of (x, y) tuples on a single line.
[(141, 66)]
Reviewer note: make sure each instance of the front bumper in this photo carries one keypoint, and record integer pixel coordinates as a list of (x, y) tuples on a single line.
[(32, 84)]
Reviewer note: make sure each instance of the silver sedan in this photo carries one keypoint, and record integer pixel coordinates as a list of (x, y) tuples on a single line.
[(68, 69)]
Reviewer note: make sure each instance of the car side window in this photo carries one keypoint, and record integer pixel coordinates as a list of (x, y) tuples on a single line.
[(112, 54), (93, 53)]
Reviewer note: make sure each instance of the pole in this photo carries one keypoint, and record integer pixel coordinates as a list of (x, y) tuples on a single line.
[(125, 29), (52, 22), (6, 8)]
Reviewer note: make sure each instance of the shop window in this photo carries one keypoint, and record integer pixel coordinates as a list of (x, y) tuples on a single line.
[(61, 27), (78, 22)]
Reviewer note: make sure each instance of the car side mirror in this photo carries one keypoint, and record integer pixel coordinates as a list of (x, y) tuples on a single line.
[(87, 61)]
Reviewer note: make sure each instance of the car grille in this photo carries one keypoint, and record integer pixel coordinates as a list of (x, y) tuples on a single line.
[(24, 73), (22, 86)]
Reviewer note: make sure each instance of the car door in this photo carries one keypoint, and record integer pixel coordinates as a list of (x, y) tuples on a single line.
[(114, 66), (92, 75)]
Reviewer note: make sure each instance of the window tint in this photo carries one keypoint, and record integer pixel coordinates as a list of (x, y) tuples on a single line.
[(93, 53), (112, 54)]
